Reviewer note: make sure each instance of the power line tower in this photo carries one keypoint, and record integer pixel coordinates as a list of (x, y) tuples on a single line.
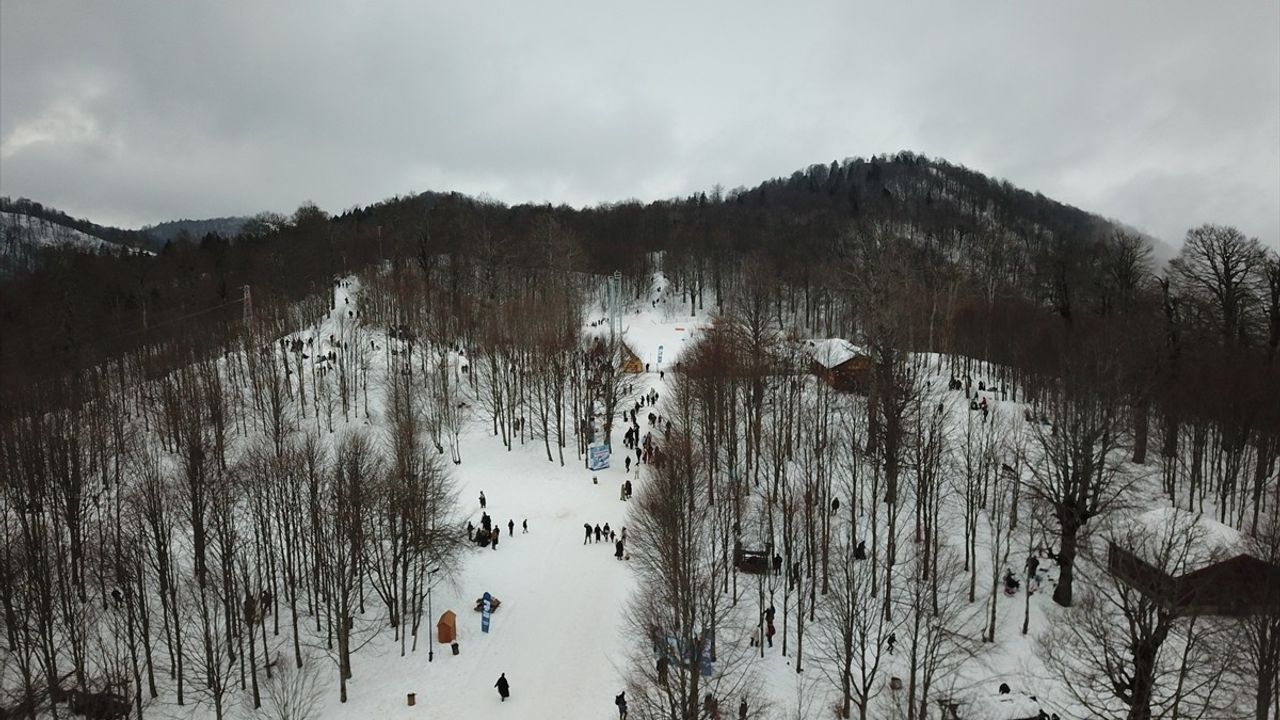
[(614, 303), (247, 305)]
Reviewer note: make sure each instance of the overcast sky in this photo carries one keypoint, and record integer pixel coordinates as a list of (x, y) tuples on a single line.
[(1163, 115)]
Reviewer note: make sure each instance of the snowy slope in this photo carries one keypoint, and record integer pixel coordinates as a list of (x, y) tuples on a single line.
[(17, 230)]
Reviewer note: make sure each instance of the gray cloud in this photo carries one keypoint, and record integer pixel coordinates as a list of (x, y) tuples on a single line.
[(1164, 115)]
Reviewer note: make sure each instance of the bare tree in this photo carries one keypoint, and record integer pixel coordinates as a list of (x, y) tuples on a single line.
[(1125, 653), (1078, 473)]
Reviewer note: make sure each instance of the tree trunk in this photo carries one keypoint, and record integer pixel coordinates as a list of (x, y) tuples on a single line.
[(1066, 564)]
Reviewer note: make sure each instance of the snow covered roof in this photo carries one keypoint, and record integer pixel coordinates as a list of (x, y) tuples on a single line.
[(1162, 529), (831, 352)]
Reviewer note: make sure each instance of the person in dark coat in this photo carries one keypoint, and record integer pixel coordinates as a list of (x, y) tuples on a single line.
[(482, 500), (587, 538), (598, 533), (494, 537), (618, 550), (504, 689), (628, 458), (835, 505), (770, 613), (769, 633), (777, 564), (511, 528), (621, 702), (471, 530), (525, 525), (860, 552), (742, 710)]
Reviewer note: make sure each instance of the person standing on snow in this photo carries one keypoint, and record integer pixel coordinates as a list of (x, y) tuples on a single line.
[(769, 632), (496, 533), (525, 525), (621, 702), (587, 538), (598, 533), (618, 550), (482, 501), (511, 527), (504, 688)]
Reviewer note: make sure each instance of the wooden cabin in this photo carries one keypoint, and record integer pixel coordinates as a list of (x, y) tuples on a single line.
[(1240, 586), (840, 364)]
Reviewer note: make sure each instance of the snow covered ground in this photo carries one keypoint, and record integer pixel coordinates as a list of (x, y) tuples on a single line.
[(558, 636)]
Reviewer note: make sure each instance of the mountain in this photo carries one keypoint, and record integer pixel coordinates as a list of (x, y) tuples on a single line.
[(226, 227), (814, 228)]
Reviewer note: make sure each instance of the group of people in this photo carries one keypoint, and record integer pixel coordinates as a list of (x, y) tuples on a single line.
[(488, 534), (769, 629), (1012, 584), (598, 534)]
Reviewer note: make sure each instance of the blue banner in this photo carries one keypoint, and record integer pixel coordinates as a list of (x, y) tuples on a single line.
[(484, 615), (598, 457)]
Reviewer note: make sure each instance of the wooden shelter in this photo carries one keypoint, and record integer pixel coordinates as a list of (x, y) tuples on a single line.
[(630, 361), (841, 364), (1239, 586), (447, 628), (750, 561)]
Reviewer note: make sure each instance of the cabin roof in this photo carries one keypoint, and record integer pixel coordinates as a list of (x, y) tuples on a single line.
[(831, 352)]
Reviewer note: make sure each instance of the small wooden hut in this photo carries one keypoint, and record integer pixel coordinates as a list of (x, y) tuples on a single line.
[(841, 364)]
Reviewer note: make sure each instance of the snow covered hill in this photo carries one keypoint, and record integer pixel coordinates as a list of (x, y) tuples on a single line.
[(23, 237)]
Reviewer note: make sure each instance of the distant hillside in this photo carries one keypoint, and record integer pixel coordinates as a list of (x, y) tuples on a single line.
[(227, 227), (29, 231)]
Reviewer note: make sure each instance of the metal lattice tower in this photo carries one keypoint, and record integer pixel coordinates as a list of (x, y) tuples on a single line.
[(614, 302)]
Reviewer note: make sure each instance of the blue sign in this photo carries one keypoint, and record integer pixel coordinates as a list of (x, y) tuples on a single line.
[(598, 457), (484, 616)]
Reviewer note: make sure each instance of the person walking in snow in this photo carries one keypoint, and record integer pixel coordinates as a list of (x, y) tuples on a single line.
[(606, 529), (893, 639), (504, 688), (598, 533), (618, 551), (525, 525), (628, 463), (769, 633), (494, 537), (511, 527), (755, 636), (482, 500), (621, 702), (471, 530), (587, 538)]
